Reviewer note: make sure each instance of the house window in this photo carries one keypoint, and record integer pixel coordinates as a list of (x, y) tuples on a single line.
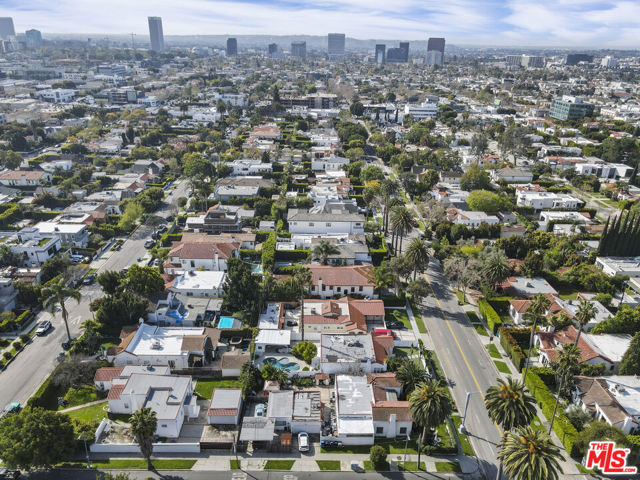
[(360, 288), (311, 224), (172, 364), (338, 289), (328, 224), (403, 430), (193, 264), (379, 430), (324, 287), (126, 405), (163, 425), (353, 289)]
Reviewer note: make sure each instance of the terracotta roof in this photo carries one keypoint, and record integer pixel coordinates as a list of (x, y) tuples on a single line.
[(382, 347), (123, 345), (330, 312), (356, 275), (114, 393), (387, 379), (222, 412), (383, 410), (106, 374), (224, 250), (18, 174), (548, 342)]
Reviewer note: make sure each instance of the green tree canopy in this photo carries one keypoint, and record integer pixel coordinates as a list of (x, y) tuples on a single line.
[(144, 280), (630, 363), (488, 202), (475, 178)]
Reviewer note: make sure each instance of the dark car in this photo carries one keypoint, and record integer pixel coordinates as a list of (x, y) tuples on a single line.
[(89, 279), (395, 325), (149, 244), (66, 345), (9, 474)]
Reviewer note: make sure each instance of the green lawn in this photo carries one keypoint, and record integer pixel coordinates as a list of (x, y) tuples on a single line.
[(467, 449), (493, 351), (461, 300), (418, 317), (80, 396), (502, 367), (398, 315), (234, 464), (405, 351), (382, 468), (135, 464), (328, 464), (394, 446), (568, 296), (205, 386), (473, 317), (537, 425), (411, 466), (279, 464), (90, 414), (481, 330), (447, 467)]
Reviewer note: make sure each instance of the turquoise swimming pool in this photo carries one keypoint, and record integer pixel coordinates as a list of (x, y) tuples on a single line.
[(282, 363), (225, 322)]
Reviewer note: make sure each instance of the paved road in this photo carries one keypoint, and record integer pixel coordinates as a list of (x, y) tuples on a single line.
[(33, 365)]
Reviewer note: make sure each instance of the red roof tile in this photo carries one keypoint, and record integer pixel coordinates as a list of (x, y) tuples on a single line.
[(114, 393)]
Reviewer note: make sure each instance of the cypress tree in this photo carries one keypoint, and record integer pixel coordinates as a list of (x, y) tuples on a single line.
[(615, 235), (602, 247)]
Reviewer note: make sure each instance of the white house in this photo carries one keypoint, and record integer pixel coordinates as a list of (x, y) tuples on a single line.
[(351, 354), (331, 162), (250, 167), (197, 283), (613, 266), (106, 377), (200, 255), (328, 280), (470, 218), (31, 248), (225, 407), (511, 175), (20, 178), (72, 234), (322, 221), (547, 200)]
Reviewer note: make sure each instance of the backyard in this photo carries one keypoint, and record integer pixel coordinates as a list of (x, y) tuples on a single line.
[(205, 386)]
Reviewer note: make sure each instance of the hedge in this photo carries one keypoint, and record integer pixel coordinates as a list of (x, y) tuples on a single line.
[(511, 346), (167, 239), (246, 253), (293, 255), (17, 323), (500, 304), (546, 400), (269, 252), (490, 315)]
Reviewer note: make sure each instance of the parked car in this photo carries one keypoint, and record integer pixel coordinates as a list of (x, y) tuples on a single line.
[(355, 466), (66, 345), (43, 328), (260, 408), (149, 244), (9, 474), (13, 407), (89, 279), (395, 325), (61, 356), (303, 442)]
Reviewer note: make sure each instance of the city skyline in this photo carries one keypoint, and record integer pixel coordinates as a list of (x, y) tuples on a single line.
[(570, 23)]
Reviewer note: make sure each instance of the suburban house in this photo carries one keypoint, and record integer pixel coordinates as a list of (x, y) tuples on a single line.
[(328, 281), (527, 287), (510, 175), (182, 310), (547, 200), (613, 266), (391, 417), (175, 347), (218, 219), (71, 234), (169, 396), (225, 407), (470, 218), (106, 377), (32, 249), (331, 162), (352, 249), (246, 240), (354, 354), (249, 167), (296, 412), (614, 399), (345, 315), (200, 284), (189, 256), (24, 178), (321, 220)]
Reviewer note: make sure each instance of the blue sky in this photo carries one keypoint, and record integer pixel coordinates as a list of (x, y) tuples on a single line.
[(612, 23)]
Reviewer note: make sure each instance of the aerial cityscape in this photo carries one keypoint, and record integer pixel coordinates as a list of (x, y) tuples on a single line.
[(276, 240)]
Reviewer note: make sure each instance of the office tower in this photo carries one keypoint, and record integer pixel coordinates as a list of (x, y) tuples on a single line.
[(156, 35), (570, 108), (398, 55), (336, 45), (273, 49), (404, 46), (435, 51), (576, 58), (34, 38), (232, 46), (514, 60), (299, 49), (532, 61), (609, 62), (6, 28), (381, 53)]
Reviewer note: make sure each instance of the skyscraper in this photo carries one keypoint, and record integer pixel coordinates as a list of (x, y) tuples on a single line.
[(398, 55), (156, 35), (273, 49), (381, 53), (299, 49), (336, 45), (34, 38), (6, 28), (232, 46), (404, 46), (435, 51)]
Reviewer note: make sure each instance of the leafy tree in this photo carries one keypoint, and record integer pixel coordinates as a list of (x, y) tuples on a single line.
[(410, 375), (196, 167), (305, 351), (7, 257), (144, 280), (132, 211), (116, 311), (578, 417), (240, 288), (109, 280), (56, 294), (509, 404), (527, 454), (475, 178), (598, 430), (323, 251), (356, 109), (36, 438), (401, 224), (536, 314), (430, 407), (630, 363), (626, 320), (488, 202), (382, 276), (272, 373), (250, 378), (54, 266), (28, 293), (370, 173), (418, 290), (479, 144), (143, 427), (302, 280), (377, 456), (10, 159), (495, 268), (418, 255)]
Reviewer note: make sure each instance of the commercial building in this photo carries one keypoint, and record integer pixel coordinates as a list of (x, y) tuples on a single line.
[(435, 51), (381, 54), (336, 43), (232, 46), (532, 61), (398, 55), (424, 111), (299, 49), (273, 49), (575, 58), (570, 108), (6, 28), (34, 38), (155, 34)]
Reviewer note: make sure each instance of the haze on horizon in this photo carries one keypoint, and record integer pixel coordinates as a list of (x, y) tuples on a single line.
[(561, 23)]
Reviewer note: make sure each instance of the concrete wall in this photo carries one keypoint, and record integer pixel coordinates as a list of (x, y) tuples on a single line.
[(133, 448)]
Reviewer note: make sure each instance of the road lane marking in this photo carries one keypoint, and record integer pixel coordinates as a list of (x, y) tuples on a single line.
[(464, 357)]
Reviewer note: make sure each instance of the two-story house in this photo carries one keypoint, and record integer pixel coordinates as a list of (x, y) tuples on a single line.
[(211, 256)]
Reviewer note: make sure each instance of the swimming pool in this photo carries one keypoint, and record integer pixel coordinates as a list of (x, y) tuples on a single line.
[(226, 322), (282, 363)]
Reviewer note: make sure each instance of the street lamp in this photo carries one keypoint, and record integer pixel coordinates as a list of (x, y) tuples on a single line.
[(462, 428), (404, 462)]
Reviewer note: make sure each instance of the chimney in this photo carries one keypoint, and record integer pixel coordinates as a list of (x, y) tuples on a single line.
[(319, 285)]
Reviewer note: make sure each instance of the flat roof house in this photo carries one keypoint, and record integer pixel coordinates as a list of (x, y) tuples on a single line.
[(341, 354), (225, 407)]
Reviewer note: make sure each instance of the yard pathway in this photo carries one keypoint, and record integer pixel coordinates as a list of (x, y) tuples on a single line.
[(78, 407)]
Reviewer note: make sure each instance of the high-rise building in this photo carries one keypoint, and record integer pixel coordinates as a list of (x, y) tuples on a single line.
[(6, 28), (34, 38), (609, 62), (273, 49), (532, 61), (299, 49), (404, 46), (576, 58), (336, 45), (232, 46), (156, 34), (570, 108), (381, 53), (514, 60), (398, 55), (435, 51)]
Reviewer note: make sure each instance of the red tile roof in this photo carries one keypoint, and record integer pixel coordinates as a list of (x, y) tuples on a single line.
[(222, 412), (549, 340), (224, 250), (114, 393), (356, 275), (382, 348), (106, 374)]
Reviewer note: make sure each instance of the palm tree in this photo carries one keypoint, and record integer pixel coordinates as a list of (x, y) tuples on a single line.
[(529, 455), (143, 426), (55, 294), (496, 268), (388, 188), (410, 374), (430, 407), (302, 279), (586, 312), (568, 358), (324, 250), (509, 404), (400, 223), (535, 314), (382, 276), (418, 255)]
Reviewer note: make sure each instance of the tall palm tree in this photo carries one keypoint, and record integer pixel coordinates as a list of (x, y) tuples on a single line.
[(400, 223), (418, 255), (410, 374), (382, 276), (566, 366), (430, 407), (391, 204), (303, 280), (324, 250), (535, 314), (388, 189), (496, 268), (509, 404), (586, 312), (143, 426), (56, 294), (529, 455)]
